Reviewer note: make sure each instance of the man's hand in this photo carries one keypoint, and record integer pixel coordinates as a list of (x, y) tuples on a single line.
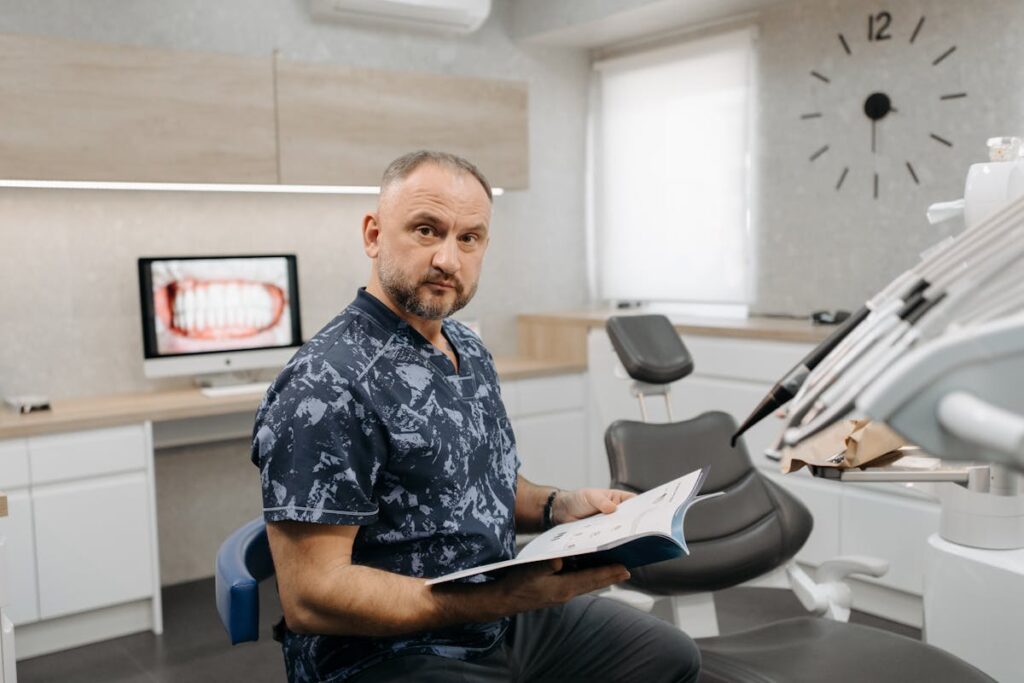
[(539, 585), (570, 506)]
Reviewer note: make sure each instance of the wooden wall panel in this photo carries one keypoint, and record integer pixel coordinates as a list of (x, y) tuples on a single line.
[(89, 111), (342, 125)]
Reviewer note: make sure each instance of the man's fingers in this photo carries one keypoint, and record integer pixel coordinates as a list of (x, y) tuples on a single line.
[(587, 580), (617, 574)]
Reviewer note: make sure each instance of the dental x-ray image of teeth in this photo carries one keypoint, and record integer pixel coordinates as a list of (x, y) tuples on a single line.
[(220, 304)]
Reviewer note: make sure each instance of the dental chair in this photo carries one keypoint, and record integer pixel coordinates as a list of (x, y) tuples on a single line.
[(754, 528)]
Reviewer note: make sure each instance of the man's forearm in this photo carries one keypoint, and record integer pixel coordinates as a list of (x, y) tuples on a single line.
[(358, 600)]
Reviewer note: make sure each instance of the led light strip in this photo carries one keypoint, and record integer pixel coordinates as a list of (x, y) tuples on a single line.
[(199, 187)]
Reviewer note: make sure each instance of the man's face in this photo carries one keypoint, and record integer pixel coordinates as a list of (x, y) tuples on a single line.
[(428, 240)]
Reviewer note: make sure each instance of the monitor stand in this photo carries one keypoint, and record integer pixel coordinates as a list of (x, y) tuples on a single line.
[(231, 384)]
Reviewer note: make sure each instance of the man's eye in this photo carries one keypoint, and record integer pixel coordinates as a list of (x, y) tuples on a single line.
[(471, 238), (426, 230)]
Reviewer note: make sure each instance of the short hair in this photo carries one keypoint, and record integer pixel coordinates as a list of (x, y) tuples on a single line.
[(400, 168)]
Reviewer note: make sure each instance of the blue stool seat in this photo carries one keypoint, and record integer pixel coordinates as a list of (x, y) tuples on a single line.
[(242, 562)]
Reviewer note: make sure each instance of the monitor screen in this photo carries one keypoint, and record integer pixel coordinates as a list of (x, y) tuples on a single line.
[(212, 304)]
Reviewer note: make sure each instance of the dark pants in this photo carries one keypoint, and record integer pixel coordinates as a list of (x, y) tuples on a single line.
[(587, 639)]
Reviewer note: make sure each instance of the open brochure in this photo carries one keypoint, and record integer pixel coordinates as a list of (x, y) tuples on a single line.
[(645, 529)]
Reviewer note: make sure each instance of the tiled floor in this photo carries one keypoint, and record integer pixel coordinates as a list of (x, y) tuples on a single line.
[(194, 647)]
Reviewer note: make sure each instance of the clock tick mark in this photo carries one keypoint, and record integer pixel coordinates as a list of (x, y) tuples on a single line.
[(820, 77), (917, 29), (953, 96), (846, 47), (944, 141), (944, 55), (812, 115), (876, 186), (913, 174), (819, 152), (842, 177)]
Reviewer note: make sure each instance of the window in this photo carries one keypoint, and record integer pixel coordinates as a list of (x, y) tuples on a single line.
[(669, 173)]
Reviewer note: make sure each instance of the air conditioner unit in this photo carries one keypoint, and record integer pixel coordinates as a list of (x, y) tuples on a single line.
[(444, 16)]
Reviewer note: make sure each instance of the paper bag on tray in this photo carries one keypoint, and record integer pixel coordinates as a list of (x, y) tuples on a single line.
[(846, 444)]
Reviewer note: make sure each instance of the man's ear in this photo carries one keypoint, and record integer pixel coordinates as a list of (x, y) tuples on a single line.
[(371, 235)]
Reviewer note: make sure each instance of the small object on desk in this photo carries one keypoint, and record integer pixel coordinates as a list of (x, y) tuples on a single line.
[(27, 403), (829, 317), (3, 504)]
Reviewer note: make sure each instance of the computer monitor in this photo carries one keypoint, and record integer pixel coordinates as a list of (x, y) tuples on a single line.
[(218, 314)]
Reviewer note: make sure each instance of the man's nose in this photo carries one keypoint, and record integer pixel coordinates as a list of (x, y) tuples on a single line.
[(446, 258)]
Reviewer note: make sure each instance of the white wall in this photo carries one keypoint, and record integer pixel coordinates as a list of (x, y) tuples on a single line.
[(69, 304)]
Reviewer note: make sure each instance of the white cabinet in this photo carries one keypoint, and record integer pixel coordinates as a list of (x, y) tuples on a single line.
[(81, 537), (552, 448), (93, 543), (895, 527), (549, 419), (16, 528)]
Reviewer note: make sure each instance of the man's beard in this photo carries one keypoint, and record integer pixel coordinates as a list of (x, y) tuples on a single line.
[(404, 293)]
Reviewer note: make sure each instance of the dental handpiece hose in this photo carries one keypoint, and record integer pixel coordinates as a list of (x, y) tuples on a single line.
[(786, 388)]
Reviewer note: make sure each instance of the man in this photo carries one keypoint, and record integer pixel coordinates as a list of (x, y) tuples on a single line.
[(386, 456)]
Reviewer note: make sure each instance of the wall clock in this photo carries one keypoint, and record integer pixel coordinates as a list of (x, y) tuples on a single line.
[(886, 75)]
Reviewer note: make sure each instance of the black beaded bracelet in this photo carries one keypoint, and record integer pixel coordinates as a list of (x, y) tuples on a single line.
[(546, 517)]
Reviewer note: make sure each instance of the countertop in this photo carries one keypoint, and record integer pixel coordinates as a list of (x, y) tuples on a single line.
[(754, 327), (93, 412)]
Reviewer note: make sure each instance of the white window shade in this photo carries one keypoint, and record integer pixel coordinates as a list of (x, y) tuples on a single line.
[(670, 193)]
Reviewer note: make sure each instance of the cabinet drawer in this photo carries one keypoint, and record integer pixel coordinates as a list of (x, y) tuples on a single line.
[(13, 464), (756, 360), (542, 395), (63, 457), (93, 543)]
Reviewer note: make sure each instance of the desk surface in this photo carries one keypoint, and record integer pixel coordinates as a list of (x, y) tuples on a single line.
[(93, 412)]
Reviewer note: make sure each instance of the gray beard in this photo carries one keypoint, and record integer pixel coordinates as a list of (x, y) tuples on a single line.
[(404, 293)]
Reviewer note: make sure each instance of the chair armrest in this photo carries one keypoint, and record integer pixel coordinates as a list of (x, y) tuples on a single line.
[(828, 594)]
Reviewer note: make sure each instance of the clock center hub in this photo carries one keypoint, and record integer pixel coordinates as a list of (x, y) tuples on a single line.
[(877, 105)]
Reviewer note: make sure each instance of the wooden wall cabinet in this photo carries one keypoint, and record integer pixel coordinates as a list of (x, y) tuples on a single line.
[(342, 125), (73, 110)]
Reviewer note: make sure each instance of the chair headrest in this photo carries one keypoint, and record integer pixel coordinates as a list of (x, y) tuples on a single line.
[(650, 348)]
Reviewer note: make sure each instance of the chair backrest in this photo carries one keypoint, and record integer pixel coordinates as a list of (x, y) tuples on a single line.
[(752, 529), (649, 348), (242, 562), (749, 531)]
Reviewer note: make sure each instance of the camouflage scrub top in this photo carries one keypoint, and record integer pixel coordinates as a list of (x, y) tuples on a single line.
[(370, 424)]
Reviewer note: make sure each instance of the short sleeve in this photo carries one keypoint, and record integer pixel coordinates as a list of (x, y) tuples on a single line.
[(319, 449)]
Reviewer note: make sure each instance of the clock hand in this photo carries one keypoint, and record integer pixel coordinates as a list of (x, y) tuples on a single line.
[(873, 125)]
